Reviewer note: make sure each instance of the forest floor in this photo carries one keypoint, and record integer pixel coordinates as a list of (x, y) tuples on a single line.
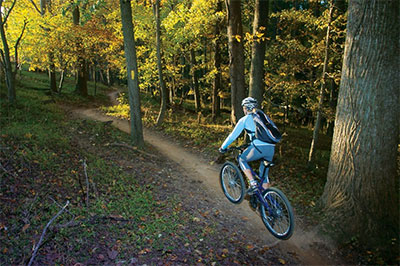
[(159, 206), (197, 184)]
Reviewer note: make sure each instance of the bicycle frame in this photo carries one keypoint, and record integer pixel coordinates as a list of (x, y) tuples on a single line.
[(272, 204), (260, 188)]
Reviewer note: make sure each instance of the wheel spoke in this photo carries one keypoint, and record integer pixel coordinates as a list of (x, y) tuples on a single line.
[(276, 214), (232, 183)]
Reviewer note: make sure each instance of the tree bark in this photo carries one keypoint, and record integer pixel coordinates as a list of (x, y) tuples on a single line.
[(5, 53), (195, 81), (164, 93), (52, 73), (132, 72), (256, 85), (82, 75), (217, 66), (236, 58), (52, 68), (361, 192), (317, 125), (60, 84)]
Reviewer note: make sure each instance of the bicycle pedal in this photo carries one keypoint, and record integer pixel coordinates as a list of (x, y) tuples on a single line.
[(251, 191)]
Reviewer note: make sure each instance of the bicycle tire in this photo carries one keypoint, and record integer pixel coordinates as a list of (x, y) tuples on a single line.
[(278, 216), (232, 183)]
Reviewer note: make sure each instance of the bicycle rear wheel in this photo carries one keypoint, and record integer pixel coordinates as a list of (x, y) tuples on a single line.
[(277, 214), (232, 182)]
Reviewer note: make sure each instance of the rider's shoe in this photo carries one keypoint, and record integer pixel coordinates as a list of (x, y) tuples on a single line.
[(251, 190), (253, 187)]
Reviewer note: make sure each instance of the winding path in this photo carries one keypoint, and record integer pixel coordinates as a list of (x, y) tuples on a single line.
[(300, 244)]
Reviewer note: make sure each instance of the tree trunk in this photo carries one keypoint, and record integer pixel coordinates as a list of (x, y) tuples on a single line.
[(236, 58), (82, 75), (60, 84), (317, 125), (43, 4), (108, 76), (256, 86), (361, 192), (164, 93), (217, 66), (16, 58), (5, 53), (132, 71), (195, 81), (52, 73), (52, 68)]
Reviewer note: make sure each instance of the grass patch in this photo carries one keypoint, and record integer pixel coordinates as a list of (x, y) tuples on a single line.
[(42, 153)]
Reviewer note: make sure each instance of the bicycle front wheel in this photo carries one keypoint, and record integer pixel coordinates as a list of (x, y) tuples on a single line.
[(232, 182), (277, 213)]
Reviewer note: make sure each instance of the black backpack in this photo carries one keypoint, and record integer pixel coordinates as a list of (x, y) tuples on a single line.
[(266, 130)]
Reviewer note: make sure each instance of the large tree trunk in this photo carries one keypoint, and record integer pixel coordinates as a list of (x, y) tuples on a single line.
[(195, 81), (236, 57), (82, 75), (217, 66), (132, 71), (317, 125), (164, 92), (361, 192), (256, 86)]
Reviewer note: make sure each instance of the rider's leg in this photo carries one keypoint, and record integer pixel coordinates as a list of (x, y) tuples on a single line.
[(250, 154), (264, 170), (249, 175), (268, 152)]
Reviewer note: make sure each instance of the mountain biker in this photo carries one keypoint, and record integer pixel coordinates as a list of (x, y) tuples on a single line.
[(257, 149)]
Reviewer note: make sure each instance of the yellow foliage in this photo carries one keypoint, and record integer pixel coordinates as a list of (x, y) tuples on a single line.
[(237, 37)]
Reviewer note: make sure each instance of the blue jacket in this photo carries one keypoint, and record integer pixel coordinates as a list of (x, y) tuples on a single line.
[(245, 123)]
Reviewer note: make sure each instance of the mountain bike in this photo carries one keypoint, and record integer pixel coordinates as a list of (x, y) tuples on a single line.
[(274, 207)]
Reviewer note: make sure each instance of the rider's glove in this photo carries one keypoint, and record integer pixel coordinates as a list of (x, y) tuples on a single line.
[(222, 150)]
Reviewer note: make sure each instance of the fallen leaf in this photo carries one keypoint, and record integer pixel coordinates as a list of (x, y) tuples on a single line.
[(144, 251), (282, 261), (112, 254), (25, 227), (249, 246), (116, 216), (198, 252)]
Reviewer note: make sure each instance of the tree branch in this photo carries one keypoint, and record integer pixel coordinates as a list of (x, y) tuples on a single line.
[(17, 44), (87, 183), (35, 6), (9, 11), (44, 232)]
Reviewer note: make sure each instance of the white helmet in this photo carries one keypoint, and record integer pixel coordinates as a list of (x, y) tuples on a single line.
[(250, 103)]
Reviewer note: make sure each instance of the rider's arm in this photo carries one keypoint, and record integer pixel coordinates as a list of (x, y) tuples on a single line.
[(235, 133)]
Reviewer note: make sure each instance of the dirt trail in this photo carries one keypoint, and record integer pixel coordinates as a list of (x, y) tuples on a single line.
[(301, 243)]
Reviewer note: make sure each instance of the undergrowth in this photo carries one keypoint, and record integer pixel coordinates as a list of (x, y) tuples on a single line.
[(47, 160)]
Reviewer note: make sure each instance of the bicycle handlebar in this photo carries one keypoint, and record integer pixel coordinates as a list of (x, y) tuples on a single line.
[(241, 147)]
